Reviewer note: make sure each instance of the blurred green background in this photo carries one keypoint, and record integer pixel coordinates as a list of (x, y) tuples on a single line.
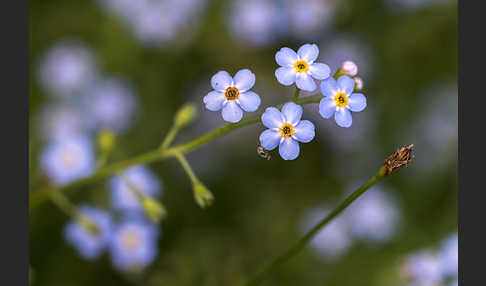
[(408, 61)]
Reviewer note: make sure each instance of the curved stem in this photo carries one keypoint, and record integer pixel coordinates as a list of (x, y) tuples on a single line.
[(296, 94), (301, 243), (38, 197)]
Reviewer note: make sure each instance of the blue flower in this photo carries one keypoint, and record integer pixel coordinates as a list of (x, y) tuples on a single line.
[(139, 177), (339, 100), (134, 245), (232, 94), (300, 67), (89, 244), (286, 130), (68, 159)]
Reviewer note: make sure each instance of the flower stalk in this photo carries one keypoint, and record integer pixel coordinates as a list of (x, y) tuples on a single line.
[(202, 195)]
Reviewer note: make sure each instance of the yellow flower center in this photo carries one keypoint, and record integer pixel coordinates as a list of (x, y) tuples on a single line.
[(286, 130), (301, 66), (341, 99), (232, 93), (131, 240)]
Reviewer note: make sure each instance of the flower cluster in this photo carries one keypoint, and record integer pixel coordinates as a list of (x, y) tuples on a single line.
[(232, 95)]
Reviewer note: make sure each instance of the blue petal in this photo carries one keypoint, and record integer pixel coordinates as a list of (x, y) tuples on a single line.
[(343, 117), (308, 52), (269, 139), (292, 113), (304, 131), (214, 100), (289, 149), (305, 82), (327, 107), (319, 71), (272, 118), (244, 80), (346, 84), (286, 57), (285, 75), (249, 101), (232, 112), (221, 80), (357, 102), (329, 87)]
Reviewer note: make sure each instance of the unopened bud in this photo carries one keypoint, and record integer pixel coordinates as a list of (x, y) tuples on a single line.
[(153, 209), (350, 68), (202, 195), (185, 115), (106, 140), (398, 160), (358, 84), (87, 224)]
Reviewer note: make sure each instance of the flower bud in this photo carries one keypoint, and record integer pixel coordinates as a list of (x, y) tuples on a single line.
[(350, 68), (358, 84), (153, 209), (106, 140), (202, 195), (185, 115), (398, 160)]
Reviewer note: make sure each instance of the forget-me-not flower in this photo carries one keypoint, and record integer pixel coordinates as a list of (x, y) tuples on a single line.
[(134, 244), (68, 159), (286, 130), (339, 100), (89, 244), (139, 177), (300, 67), (232, 94)]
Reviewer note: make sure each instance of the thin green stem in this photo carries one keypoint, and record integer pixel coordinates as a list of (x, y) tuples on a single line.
[(169, 137), (63, 203), (296, 94), (38, 197), (259, 276), (187, 168)]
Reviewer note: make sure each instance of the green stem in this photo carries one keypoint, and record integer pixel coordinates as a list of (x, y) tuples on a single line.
[(185, 165), (296, 94), (169, 138), (301, 243), (38, 197)]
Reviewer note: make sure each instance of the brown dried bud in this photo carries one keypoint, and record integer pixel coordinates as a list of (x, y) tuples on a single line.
[(398, 160)]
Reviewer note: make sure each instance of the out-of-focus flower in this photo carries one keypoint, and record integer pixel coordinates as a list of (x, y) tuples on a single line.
[(410, 5), (300, 67), (140, 177), (66, 68), (306, 18), (286, 130), (339, 100), (448, 256), (423, 268), (374, 216), (68, 159), (60, 121), (110, 104), (232, 94), (134, 245), (255, 22), (89, 244), (332, 241)]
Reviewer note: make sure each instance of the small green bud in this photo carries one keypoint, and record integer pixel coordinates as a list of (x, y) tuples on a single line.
[(202, 195), (87, 224), (153, 209), (185, 115), (106, 140)]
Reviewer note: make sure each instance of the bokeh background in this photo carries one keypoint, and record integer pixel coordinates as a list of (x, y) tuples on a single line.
[(130, 64)]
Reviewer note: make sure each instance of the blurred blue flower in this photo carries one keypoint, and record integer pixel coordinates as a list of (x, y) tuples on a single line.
[(134, 245), (339, 100), (89, 244), (332, 241), (300, 67), (448, 256), (307, 18), (66, 69), (374, 216), (110, 104), (286, 129), (59, 121), (232, 94), (68, 159), (424, 268), (142, 179)]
